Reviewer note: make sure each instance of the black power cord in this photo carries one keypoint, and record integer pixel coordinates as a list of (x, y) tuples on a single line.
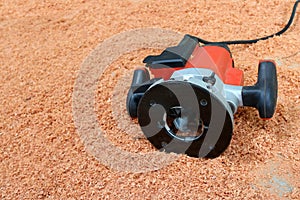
[(287, 26)]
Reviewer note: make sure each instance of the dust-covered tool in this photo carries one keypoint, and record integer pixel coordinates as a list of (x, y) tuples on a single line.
[(188, 105)]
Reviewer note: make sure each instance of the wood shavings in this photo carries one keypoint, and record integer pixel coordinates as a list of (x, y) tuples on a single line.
[(42, 47)]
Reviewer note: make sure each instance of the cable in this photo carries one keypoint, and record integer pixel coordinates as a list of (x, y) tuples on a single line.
[(287, 26)]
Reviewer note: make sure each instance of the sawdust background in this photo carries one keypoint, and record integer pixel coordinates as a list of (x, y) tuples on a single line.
[(43, 44)]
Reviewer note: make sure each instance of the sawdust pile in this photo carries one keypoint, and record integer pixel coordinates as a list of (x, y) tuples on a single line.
[(43, 45)]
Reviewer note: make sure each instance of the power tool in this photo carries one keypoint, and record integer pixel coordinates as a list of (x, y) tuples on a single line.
[(188, 105)]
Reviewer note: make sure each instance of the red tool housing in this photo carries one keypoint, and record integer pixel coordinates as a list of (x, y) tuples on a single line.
[(216, 58)]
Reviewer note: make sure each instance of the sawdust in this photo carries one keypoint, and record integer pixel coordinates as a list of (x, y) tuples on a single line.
[(43, 45)]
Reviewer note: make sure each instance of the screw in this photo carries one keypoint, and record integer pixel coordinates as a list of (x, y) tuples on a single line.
[(203, 102)]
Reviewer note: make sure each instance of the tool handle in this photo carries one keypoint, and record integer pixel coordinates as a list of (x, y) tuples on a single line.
[(140, 76), (263, 95)]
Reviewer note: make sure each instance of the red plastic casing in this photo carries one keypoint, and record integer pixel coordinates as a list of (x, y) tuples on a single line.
[(215, 58)]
